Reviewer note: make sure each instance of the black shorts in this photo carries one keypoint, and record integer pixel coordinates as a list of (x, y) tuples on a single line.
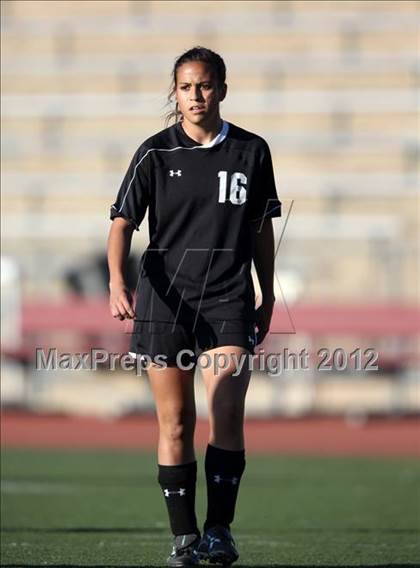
[(181, 342)]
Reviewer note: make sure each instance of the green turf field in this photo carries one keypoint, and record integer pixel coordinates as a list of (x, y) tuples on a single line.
[(105, 509)]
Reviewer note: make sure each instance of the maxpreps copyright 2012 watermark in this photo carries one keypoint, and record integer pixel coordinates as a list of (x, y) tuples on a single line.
[(335, 360)]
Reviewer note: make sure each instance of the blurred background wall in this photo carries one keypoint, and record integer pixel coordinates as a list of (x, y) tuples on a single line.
[(331, 86)]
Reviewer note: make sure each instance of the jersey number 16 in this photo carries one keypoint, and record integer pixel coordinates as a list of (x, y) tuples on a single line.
[(237, 192)]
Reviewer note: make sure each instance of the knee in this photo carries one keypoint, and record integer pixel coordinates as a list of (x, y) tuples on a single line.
[(229, 417), (177, 427), (175, 432), (226, 429)]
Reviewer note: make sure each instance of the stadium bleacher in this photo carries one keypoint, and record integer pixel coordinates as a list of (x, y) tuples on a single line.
[(333, 87)]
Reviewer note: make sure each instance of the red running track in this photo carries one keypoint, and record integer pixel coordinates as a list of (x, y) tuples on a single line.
[(322, 436)]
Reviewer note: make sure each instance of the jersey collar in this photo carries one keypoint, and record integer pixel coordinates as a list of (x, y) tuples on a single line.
[(217, 140)]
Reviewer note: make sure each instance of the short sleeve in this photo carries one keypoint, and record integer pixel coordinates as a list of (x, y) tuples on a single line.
[(134, 194), (264, 201)]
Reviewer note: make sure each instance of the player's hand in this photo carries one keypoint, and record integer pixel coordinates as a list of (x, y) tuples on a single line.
[(121, 302), (263, 316)]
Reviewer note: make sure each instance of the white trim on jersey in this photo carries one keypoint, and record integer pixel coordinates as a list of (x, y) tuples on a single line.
[(217, 140)]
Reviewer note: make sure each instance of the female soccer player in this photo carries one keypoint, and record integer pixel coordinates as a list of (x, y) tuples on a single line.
[(210, 192)]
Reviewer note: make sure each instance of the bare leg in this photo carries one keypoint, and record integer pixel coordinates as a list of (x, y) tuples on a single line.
[(226, 400), (173, 391), (225, 454)]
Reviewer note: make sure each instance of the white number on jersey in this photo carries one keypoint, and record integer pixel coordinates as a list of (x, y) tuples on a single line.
[(237, 187)]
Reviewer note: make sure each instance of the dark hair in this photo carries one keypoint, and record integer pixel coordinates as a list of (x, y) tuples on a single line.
[(197, 53)]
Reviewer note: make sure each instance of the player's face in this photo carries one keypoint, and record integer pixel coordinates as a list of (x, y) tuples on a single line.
[(197, 93)]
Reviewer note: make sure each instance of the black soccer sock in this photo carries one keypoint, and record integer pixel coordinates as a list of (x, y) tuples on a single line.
[(224, 469), (178, 486)]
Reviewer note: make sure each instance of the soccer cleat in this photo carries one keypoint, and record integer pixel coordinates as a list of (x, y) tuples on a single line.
[(184, 551), (217, 546)]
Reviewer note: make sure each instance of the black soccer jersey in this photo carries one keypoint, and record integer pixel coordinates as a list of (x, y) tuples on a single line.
[(204, 201)]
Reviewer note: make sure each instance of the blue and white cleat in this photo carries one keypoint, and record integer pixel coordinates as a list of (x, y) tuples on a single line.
[(217, 546)]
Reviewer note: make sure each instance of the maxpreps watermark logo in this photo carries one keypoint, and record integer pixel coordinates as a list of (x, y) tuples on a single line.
[(273, 364), (53, 360)]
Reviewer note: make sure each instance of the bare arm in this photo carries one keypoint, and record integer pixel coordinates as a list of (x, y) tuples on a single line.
[(263, 257), (119, 243)]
